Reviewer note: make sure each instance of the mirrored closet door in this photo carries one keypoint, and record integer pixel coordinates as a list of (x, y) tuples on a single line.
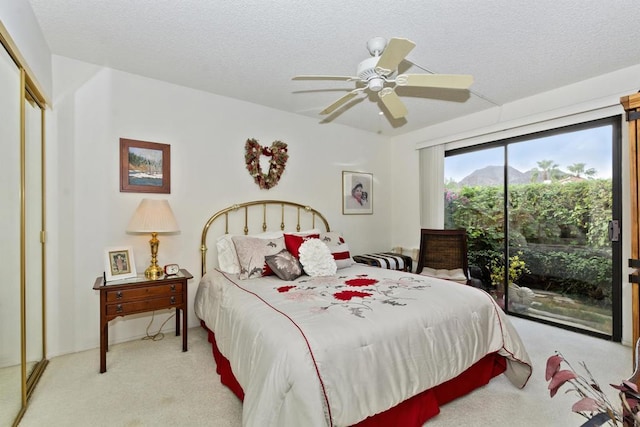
[(22, 333), (33, 241), (10, 366)]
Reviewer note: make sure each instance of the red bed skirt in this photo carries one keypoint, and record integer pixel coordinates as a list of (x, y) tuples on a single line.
[(414, 411)]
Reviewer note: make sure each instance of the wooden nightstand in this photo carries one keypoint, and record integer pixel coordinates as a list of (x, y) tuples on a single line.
[(139, 295)]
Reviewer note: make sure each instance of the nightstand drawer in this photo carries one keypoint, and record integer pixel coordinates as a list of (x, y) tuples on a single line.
[(144, 305), (144, 292)]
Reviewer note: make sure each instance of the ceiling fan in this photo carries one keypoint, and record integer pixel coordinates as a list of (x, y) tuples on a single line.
[(376, 74)]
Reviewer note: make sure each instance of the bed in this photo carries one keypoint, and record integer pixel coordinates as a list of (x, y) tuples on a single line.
[(363, 346)]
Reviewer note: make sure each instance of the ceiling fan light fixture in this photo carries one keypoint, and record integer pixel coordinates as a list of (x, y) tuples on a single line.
[(375, 84)]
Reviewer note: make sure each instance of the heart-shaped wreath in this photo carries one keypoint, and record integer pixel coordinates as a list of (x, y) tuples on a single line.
[(279, 156)]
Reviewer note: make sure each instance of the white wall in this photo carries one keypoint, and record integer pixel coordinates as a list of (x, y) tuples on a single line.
[(20, 21), (584, 100), (94, 107)]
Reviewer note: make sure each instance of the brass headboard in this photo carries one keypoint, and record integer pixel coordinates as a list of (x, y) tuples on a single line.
[(283, 205)]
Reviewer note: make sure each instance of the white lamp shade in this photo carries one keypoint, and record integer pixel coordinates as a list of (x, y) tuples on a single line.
[(153, 216)]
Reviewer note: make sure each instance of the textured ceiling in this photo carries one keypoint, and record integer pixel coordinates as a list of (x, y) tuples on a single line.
[(249, 50)]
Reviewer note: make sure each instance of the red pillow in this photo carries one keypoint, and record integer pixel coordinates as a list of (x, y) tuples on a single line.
[(293, 241)]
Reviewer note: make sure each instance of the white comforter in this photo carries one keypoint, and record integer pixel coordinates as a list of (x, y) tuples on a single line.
[(334, 350)]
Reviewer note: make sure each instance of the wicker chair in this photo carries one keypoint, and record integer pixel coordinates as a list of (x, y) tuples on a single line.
[(443, 250)]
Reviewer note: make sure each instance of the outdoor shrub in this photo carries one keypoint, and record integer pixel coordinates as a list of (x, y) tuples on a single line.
[(560, 229)]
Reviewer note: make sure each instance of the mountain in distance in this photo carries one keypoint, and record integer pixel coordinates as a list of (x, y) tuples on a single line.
[(493, 175)]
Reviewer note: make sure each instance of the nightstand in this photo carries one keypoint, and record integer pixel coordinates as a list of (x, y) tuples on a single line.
[(139, 295)]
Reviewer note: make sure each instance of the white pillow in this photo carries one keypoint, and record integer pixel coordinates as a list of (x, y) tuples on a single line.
[(338, 247), (455, 275), (227, 256), (316, 258)]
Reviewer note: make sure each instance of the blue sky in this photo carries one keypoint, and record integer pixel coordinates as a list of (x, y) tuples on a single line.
[(148, 153), (590, 146)]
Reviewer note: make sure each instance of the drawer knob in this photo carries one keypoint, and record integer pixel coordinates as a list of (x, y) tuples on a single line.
[(173, 300), (173, 288), (119, 294), (119, 308)]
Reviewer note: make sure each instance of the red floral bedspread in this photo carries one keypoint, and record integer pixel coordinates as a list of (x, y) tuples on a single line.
[(333, 350)]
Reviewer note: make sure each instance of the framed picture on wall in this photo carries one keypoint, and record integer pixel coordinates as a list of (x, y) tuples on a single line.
[(119, 263), (145, 167), (357, 193)]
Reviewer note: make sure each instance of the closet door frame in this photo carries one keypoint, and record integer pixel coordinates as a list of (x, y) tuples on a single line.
[(29, 87)]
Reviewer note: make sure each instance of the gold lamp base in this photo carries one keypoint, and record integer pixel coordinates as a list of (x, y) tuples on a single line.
[(153, 272)]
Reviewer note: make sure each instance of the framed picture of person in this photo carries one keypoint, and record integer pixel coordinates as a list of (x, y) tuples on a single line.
[(357, 193), (119, 263)]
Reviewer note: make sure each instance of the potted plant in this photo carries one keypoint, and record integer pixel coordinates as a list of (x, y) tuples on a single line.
[(517, 267), (594, 404)]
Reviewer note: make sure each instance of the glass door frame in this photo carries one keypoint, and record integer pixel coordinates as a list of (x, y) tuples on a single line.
[(617, 213), (29, 89)]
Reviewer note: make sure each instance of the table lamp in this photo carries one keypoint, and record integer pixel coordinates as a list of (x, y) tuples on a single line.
[(153, 216)]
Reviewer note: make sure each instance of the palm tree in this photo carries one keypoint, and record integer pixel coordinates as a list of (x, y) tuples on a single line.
[(579, 168), (576, 169), (548, 168), (591, 172)]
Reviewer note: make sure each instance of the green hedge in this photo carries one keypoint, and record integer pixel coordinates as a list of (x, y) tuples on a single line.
[(560, 228)]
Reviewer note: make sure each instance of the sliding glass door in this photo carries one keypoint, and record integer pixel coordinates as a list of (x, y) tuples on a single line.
[(542, 214)]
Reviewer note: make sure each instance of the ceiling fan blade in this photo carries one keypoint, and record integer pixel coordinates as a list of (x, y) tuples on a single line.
[(344, 99), (312, 77), (393, 54), (392, 101), (449, 81)]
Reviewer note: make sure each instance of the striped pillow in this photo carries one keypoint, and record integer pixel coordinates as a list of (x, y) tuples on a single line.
[(338, 247)]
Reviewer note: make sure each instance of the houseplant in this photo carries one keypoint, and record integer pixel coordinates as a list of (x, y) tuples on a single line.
[(517, 268), (519, 298), (594, 404)]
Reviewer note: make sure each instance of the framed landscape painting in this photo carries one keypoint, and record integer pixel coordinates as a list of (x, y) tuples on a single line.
[(145, 167)]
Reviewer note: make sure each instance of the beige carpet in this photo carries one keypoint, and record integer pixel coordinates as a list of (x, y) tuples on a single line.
[(153, 383)]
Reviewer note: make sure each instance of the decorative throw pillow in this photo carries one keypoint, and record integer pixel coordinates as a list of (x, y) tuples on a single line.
[(252, 252), (227, 256), (284, 265), (338, 247), (316, 258), (293, 241)]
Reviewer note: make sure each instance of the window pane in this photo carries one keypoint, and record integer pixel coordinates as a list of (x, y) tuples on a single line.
[(560, 205), (558, 263), (474, 200)]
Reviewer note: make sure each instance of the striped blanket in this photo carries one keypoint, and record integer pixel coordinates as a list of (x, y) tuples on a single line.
[(389, 260)]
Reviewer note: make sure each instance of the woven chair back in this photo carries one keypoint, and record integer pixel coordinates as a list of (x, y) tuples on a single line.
[(443, 249)]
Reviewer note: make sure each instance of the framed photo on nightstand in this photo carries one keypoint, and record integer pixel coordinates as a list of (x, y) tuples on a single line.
[(119, 263)]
